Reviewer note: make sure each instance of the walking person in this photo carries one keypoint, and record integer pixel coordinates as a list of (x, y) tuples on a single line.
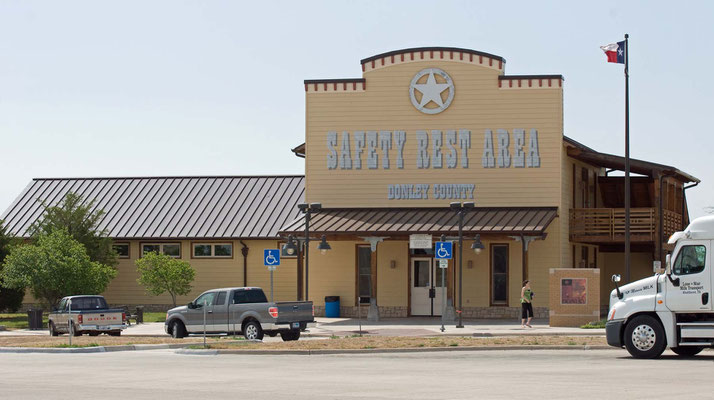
[(526, 304)]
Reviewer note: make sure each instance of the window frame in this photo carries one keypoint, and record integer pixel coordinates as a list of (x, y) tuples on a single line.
[(358, 299), (680, 253), (161, 248), (128, 249), (213, 245), (490, 274)]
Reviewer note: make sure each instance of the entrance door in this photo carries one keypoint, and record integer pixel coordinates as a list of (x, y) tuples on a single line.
[(426, 290)]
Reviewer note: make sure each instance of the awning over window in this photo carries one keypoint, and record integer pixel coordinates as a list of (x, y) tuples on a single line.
[(406, 221)]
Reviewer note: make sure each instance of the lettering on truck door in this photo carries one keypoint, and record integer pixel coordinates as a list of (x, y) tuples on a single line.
[(692, 266)]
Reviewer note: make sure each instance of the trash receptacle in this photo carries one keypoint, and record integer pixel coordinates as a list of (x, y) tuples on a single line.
[(34, 319), (139, 314), (332, 306)]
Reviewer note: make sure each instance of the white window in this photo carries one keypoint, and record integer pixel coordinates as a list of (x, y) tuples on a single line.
[(212, 250), (169, 249)]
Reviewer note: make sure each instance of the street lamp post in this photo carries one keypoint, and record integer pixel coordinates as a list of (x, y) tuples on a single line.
[(476, 246), (291, 248), (460, 210)]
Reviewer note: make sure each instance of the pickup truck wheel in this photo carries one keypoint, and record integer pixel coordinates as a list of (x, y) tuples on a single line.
[(53, 331), (74, 330), (644, 337), (253, 331), (178, 331), (93, 333), (290, 336), (687, 351), (117, 333)]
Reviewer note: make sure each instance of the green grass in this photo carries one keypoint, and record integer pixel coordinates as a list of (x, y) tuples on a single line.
[(18, 321), (154, 317), (594, 325), (75, 346)]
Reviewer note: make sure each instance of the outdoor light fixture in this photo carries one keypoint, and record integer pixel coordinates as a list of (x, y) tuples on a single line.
[(308, 209), (477, 246), (323, 246), (290, 247)]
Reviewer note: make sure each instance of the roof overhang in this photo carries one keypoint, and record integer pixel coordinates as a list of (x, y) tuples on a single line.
[(393, 222), (586, 154)]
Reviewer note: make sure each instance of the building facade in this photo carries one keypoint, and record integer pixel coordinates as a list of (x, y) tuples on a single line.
[(385, 156)]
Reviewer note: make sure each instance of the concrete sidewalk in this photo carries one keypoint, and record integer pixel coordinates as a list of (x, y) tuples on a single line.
[(431, 327), (388, 327)]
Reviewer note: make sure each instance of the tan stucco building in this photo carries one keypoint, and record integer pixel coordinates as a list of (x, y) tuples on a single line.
[(385, 155)]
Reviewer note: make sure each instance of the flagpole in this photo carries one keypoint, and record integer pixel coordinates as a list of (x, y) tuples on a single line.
[(627, 161)]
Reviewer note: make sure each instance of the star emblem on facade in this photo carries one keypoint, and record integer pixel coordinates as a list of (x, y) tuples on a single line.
[(431, 91)]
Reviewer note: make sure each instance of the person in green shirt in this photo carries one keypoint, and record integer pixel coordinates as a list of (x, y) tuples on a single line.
[(526, 305)]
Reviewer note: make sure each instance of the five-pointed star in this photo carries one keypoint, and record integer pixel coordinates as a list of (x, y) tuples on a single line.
[(431, 91)]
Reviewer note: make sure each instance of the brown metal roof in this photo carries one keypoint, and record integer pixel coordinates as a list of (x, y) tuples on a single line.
[(238, 207), (586, 154), (405, 221)]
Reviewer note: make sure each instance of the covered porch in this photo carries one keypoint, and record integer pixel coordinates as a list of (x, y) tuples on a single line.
[(376, 272)]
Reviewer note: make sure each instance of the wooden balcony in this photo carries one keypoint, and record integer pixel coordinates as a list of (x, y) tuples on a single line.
[(607, 225)]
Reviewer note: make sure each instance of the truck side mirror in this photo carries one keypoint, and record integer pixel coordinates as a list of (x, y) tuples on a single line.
[(615, 279)]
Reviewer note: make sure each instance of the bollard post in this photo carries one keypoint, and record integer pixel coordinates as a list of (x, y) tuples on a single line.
[(204, 322), (69, 322)]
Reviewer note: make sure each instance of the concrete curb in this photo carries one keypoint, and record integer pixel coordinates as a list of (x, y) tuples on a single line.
[(96, 349), (382, 351)]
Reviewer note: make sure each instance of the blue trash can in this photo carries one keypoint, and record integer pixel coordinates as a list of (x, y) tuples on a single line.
[(332, 306)]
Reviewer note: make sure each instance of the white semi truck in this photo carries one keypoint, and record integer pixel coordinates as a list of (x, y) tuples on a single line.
[(673, 309)]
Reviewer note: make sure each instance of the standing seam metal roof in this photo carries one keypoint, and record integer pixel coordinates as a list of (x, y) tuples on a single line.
[(219, 207)]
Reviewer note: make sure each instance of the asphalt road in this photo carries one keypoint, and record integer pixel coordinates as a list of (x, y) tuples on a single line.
[(539, 374)]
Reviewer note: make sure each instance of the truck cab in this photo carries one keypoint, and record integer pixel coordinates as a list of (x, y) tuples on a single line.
[(673, 309)]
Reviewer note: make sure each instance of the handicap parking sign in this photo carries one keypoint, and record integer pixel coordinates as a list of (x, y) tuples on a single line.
[(271, 257), (442, 250)]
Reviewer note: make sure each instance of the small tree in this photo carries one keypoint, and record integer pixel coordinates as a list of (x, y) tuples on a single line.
[(78, 219), (54, 267), (160, 273), (10, 299)]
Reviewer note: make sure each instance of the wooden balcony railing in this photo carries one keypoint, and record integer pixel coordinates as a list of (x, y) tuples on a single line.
[(607, 225), (671, 222)]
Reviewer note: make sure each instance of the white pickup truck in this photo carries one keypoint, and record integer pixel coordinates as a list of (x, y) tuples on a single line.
[(86, 315), (673, 309)]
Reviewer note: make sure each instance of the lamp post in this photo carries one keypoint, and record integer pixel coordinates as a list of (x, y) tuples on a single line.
[(477, 247), (291, 247), (460, 209)]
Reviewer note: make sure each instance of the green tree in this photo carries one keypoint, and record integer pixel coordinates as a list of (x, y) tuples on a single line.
[(160, 273), (76, 217), (55, 266), (10, 299)]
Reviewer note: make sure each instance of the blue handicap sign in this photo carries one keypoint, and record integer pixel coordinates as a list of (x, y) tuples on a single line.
[(271, 257), (442, 250)]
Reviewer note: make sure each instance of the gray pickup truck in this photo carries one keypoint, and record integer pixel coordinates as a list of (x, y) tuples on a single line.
[(243, 310), (89, 315)]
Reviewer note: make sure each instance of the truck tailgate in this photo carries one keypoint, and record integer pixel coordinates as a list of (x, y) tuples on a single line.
[(294, 311), (102, 318)]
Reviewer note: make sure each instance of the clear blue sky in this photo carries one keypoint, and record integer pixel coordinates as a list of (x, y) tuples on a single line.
[(137, 88)]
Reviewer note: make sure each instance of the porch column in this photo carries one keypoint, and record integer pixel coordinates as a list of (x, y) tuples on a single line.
[(525, 241)]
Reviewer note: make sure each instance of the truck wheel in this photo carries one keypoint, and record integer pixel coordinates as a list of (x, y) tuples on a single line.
[(116, 333), (93, 333), (290, 336), (75, 332), (253, 331), (53, 331), (687, 351), (178, 331), (644, 337)]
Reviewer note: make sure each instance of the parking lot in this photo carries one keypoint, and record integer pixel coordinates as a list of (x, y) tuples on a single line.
[(553, 374)]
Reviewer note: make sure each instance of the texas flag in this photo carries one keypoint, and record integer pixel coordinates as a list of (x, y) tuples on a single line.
[(615, 52)]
